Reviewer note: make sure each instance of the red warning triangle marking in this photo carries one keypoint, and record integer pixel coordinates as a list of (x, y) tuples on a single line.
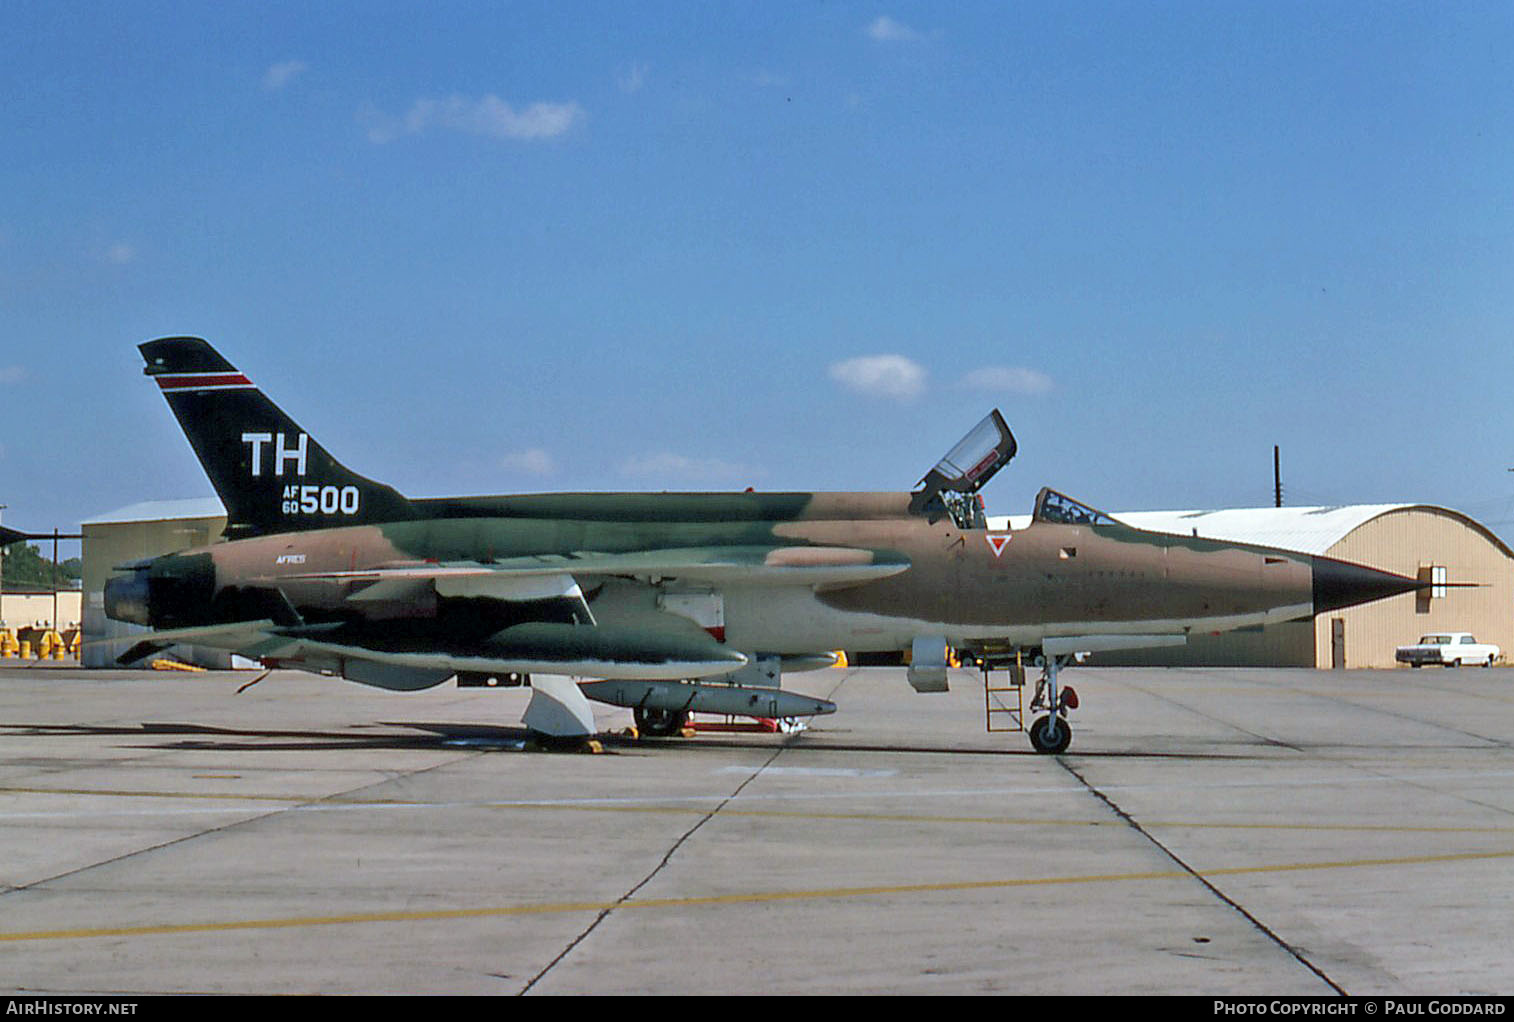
[(998, 543)]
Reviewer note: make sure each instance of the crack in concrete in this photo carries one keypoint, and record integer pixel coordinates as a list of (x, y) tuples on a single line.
[(1221, 895)]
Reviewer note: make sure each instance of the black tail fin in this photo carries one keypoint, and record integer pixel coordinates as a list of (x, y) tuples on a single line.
[(271, 475)]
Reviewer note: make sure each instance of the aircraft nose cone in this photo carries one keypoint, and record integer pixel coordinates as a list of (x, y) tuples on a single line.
[(1340, 584)]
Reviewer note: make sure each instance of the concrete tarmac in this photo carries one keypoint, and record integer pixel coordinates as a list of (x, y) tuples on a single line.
[(1211, 831)]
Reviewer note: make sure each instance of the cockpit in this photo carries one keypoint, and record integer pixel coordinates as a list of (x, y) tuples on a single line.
[(951, 488), (1060, 509)]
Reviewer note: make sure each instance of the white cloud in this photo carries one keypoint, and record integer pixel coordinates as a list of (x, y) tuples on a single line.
[(631, 78), (534, 461), (1009, 380), (281, 74), (886, 30), (892, 376), (120, 253), (12, 374), (667, 465), (489, 116)]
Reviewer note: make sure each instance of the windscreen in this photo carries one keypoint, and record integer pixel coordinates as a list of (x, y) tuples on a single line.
[(1052, 506)]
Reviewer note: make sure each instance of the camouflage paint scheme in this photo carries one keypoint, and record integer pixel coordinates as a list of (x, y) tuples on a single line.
[(328, 570)]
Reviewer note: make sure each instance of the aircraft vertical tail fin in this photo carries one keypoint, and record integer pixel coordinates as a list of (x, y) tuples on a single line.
[(270, 474)]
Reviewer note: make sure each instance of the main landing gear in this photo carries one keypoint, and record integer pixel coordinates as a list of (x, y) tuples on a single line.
[(1051, 734), (660, 723)]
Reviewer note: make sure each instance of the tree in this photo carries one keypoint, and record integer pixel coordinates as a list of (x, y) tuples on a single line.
[(24, 565)]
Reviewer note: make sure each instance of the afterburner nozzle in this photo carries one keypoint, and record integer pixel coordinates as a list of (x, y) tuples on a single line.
[(127, 598)]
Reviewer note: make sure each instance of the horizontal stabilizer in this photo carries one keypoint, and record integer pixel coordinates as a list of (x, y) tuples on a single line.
[(141, 651), (223, 636), (253, 639)]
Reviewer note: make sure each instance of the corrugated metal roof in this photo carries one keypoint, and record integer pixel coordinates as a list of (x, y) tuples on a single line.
[(161, 511), (1309, 530)]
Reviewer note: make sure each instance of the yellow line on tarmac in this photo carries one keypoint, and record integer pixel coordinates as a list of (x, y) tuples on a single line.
[(315, 800), (1408, 860), (997, 821), (1368, 828), (691, 809), (228, 796), (1025, 822), (750, 898)]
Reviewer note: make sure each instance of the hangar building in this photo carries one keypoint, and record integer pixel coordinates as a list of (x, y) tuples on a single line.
[(130, 534), (1418, 540)]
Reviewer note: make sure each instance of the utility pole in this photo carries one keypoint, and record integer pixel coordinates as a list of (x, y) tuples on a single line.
[(8, 536), (1277, 478), (57, 577)]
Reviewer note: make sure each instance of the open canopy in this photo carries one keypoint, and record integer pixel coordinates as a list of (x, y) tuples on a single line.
[(969, 465)]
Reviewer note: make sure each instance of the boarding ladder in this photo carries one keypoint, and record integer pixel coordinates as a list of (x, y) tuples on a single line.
[(1004, 706)]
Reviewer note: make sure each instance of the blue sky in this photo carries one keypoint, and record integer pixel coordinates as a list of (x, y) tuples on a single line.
[(500, 247)]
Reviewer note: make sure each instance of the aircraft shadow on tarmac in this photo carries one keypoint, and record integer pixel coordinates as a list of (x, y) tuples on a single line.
[(223, 739), (419, 735)]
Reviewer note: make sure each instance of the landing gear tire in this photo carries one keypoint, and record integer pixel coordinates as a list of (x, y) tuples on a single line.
[(1050, 746), (660, 723)]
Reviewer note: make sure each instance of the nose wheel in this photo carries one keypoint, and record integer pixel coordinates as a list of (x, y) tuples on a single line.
[(1051, 734)]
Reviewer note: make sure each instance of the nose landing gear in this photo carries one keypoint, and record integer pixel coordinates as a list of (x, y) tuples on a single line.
[(1051, 734)]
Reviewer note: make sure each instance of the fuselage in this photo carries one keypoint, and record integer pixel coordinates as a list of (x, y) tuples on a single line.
[(327, 570), (972, 586)]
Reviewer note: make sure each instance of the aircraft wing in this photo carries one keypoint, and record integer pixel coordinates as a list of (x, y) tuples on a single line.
[(569, 643), (548, 576)]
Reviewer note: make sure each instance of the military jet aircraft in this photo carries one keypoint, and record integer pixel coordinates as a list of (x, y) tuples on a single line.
[(667, 602)]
